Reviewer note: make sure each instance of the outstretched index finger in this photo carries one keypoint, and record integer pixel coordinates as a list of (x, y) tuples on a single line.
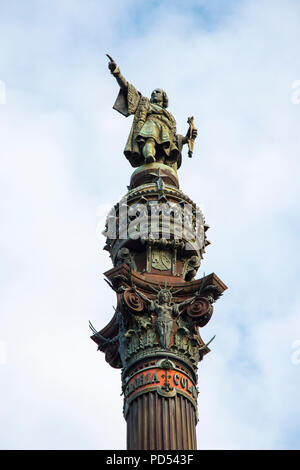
[(110, 58)]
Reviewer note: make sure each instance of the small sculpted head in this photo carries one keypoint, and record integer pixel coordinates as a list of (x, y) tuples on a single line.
[(159, 96), (123, 253), (164, 297)]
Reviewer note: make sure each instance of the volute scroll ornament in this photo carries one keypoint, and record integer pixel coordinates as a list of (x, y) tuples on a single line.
[(200, 311), (133, 301)]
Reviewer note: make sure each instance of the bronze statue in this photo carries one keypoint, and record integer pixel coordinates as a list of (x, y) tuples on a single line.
[(153, 134), (156, 236)]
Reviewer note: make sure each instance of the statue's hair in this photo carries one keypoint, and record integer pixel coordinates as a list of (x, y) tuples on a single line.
[(165, 291), (165, 99)]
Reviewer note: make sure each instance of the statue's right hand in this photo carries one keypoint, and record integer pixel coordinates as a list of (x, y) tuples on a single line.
[(112, 65)]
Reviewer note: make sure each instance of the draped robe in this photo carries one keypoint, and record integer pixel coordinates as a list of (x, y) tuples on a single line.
[(150, 120)]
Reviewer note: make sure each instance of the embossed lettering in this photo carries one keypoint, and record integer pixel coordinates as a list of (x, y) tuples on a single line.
[(176, 379), (155, 378)]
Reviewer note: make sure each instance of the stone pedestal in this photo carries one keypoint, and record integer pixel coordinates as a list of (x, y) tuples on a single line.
[(156, 237)]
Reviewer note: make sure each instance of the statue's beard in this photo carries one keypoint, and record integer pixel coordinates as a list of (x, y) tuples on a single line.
[(156, 101)]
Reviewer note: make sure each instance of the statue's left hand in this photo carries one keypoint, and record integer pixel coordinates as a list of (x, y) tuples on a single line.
[(190, 136), (194, 133)]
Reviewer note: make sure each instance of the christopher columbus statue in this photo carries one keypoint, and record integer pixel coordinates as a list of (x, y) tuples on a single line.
[(153, 134)]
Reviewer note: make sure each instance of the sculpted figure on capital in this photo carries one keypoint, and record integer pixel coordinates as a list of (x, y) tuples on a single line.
[(166, 311)]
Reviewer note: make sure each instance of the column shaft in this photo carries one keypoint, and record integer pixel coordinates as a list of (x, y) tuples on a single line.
[(158, 423)]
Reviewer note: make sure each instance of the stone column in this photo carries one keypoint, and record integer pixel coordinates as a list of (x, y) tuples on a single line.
[(153, 336)]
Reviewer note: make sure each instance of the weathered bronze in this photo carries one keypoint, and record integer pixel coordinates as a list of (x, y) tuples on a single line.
[(156, 238), (153, 134)]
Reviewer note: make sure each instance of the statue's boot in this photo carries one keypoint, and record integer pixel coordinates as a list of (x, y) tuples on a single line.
[(149, 150)]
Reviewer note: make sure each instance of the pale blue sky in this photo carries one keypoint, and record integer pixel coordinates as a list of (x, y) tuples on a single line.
[(231, 65)]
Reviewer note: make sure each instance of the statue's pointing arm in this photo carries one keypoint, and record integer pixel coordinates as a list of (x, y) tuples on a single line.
[(128, 98), (115, 71)]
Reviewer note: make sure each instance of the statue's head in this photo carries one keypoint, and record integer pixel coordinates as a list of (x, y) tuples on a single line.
[(164, 296), (123, 253), (160, 97), (194, 261)]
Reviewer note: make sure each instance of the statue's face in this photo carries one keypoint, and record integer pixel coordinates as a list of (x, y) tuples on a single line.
[(163, 298), (123, 253), (157, 96)]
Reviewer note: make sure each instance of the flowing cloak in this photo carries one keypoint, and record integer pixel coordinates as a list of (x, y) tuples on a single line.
[(150, 120)]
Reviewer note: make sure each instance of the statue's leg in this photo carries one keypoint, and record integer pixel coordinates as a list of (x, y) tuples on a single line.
[(149, 150)]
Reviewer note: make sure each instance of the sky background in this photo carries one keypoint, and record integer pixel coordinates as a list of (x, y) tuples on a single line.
[(232, 65)]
